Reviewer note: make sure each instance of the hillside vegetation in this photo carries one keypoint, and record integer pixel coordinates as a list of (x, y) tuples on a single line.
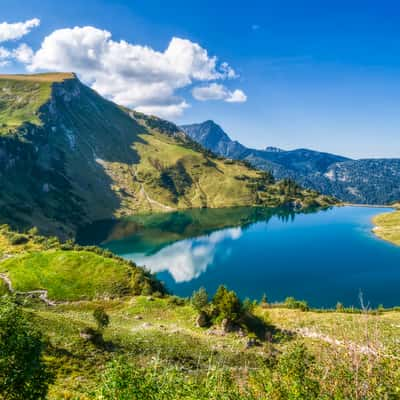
[(110, 331), (22, 96), (69, 157), (154, 346), (35, 265)]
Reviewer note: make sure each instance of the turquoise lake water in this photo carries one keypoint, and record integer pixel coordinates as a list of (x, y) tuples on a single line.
[(322, 257)]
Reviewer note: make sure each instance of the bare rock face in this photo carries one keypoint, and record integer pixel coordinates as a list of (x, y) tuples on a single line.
[(202, 320)]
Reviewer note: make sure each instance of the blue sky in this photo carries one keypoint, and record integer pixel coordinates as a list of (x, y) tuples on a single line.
[(315, 74)]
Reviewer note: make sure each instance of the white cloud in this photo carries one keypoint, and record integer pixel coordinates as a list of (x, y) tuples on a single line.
[(4, 53), (132, 75), (216, 91), (169, 111), (17, 30), (23, 53), (237, 96)]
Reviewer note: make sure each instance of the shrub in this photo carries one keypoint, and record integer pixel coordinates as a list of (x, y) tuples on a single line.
[(176, 301), (23, 372), (226, 305), (291, 302), (248, 305), (199, 299), (339, 307), (102, 318)]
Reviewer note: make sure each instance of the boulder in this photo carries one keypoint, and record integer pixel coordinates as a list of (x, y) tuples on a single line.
[(251, 343), (202, 319), (227, 326)]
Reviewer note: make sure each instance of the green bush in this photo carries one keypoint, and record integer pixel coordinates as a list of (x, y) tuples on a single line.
[(23, 373), (227, 305), (176, 301), (291, 302), (199, 299), (102, 318), (248, 305)]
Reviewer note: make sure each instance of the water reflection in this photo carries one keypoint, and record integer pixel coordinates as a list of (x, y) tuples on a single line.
[(323, 257), (187, 259), (151, 232), (181, 243)]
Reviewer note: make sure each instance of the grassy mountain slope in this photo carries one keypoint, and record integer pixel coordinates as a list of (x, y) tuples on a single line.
[(69, 157)]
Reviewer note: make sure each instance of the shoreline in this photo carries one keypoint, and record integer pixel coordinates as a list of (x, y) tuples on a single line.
[(386, 226), (388, 206)]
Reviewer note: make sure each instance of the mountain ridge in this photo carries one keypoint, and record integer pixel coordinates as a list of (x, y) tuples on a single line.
[(374, 181), (69, 157)]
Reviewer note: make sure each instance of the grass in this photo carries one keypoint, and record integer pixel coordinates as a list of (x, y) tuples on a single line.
[(165, 332), (45, 77), (147, 331), (212, 182), (67, 271), (387, 227), (69, 275), (21, 97)]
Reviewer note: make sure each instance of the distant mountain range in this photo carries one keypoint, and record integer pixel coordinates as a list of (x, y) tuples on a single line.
[(367, 181)]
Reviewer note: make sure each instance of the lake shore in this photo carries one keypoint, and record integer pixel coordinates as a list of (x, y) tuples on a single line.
[(387, 226), (390, 206)]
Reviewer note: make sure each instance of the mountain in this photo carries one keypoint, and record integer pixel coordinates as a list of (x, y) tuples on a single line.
[(369, 181), (69, 157)]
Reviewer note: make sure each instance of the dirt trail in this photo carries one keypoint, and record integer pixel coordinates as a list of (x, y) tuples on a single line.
[(41, 294), (148, 198), (351, 346), (154, 202)]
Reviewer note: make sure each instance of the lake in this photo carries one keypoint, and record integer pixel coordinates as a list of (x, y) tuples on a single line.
[(322, 257)]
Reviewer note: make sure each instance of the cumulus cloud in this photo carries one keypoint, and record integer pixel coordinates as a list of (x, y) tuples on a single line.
[(17, 30), (216, 91), (132, 75)]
